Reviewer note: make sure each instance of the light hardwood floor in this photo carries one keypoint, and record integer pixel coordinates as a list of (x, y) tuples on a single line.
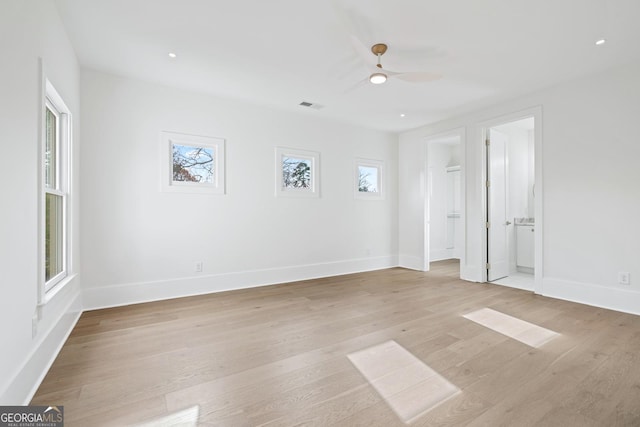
[(277, 356)]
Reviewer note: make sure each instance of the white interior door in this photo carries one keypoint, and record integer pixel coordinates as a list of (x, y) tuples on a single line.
[(497, 244)]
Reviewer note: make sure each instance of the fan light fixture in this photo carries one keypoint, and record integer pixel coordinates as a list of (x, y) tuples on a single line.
[(378, 78)]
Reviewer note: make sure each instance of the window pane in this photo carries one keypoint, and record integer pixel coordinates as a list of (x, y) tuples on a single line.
[(368, 179), (193, 164), (50, 149), (296, 173), (54, 234)]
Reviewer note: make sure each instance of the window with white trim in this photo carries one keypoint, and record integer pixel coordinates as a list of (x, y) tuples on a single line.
[(192, 163), (369, 179), (56, 143), (297, 173)]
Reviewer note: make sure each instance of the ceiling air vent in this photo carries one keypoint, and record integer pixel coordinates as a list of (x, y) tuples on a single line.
[(311, 105)]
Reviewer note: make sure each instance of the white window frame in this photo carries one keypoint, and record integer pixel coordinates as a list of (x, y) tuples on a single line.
[(314, 159), (369, 163), (51, 100), (217, 145)]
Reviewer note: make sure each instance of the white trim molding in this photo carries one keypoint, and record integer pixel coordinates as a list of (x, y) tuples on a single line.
[(134, 293), (609, 297), (481, 128), (440, 254), (23, 386)]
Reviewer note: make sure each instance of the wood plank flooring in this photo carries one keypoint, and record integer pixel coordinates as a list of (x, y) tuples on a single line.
[(277, 356)]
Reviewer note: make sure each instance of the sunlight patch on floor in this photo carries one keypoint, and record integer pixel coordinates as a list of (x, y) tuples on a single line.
[(409, 387), (525, 332), (184, 418)]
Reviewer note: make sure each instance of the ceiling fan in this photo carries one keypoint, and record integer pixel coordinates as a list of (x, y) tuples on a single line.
[(381, 75)]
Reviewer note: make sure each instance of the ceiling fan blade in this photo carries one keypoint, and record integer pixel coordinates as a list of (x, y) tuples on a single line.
[(352, 21), (363, 52), (356, 86), (356, 27), (416, 77)]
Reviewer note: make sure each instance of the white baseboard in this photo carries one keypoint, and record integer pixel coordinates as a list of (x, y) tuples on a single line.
[(411, 262), (440, 254), (610, 297), (134, 293), (25, 383)]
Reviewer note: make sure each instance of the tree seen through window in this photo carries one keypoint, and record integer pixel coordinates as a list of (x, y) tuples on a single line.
[(368, 179), (296, 172), (193, 164)]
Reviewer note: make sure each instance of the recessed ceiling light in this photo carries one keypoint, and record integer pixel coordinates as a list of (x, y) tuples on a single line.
[(172, 55), (600, 42), (402, 115)]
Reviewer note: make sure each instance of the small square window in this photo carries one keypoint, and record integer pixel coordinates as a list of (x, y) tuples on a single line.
[(297, 173), (369, 179), (192, 164)]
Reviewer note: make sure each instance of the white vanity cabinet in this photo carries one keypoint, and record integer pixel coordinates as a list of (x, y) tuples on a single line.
[(524, 246)]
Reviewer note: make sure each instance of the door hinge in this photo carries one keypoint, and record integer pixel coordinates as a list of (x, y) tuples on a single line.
[(487, 142), (488, 224), (488, 266), (488, 184)]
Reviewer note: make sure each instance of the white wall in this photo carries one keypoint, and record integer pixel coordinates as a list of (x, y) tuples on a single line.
[(141, 244), (29, 30), (412, 204), (590, 193)]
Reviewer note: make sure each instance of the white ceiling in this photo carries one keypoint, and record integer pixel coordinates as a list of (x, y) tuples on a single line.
[(282, 52)]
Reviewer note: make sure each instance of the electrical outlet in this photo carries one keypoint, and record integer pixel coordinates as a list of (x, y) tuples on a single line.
[(198, 267), (624, 278)]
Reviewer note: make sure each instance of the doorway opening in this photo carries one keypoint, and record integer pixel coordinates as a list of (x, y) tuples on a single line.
[(511, 203), (445, 239)]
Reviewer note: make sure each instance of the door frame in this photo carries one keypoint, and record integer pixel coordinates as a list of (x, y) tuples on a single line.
[(536, 113), (460, 133)]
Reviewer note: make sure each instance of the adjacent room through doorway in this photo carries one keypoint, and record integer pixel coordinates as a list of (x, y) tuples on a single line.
[(510, 207), (445, 226)]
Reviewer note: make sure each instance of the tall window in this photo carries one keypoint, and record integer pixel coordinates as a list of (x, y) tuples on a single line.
[(56, 145)]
